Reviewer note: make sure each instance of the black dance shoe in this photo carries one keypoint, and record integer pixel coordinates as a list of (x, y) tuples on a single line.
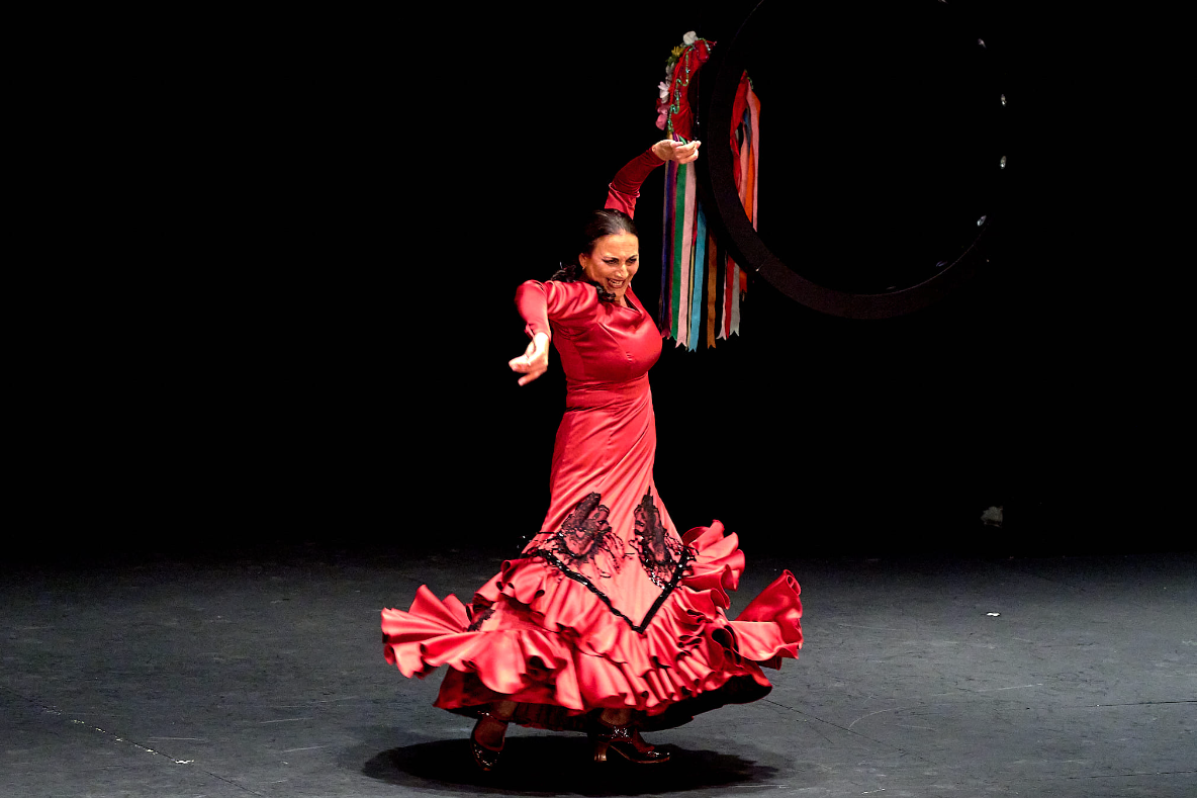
[(626, 741), (485, 757)]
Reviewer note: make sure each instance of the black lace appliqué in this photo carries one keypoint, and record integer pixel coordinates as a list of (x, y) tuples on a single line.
[(660, 555), (586, 537)]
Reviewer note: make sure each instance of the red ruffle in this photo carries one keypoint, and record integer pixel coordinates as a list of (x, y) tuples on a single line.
[(551, 641)]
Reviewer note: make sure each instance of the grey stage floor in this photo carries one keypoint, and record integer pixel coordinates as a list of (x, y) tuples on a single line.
[(263, 675)]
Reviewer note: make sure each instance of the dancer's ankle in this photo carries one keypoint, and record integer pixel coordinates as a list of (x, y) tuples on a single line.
[(616, 717), (502, 710)]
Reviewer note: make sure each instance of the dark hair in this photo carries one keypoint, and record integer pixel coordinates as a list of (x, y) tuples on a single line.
[(598, 224)]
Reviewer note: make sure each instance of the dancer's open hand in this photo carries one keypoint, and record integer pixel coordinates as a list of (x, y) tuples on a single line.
[(534, 361), (668, 150)]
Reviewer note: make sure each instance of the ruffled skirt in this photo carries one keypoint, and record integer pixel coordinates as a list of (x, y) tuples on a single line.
[(549, 640)]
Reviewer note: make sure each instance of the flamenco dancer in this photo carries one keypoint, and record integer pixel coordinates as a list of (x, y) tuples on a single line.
[(610, 622)]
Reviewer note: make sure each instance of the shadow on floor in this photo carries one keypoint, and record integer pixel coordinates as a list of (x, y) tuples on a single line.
[(555, 765)]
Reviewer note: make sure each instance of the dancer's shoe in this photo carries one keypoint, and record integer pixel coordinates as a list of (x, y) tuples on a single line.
[(626, 741), (486, 757)]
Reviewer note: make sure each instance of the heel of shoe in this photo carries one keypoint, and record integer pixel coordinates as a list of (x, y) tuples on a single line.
[(626, 741)]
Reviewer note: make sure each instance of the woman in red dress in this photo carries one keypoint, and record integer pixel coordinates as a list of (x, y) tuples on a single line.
[(610, 622)]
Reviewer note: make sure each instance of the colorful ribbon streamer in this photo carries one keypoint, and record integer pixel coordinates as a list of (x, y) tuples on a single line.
[(698, 280)]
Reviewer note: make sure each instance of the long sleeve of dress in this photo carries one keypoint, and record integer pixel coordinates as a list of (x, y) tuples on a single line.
[(625, 188)]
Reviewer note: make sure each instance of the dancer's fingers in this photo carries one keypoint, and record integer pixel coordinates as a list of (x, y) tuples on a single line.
[(687, 152), (527, 378)]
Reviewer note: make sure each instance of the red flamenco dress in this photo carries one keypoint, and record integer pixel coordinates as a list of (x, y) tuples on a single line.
[(608, 606)]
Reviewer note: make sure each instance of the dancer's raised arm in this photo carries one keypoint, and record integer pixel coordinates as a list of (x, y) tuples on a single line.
[(625, 188)]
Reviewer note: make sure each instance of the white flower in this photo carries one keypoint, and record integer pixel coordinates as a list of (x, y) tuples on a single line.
[(664, 87), (689, 38)]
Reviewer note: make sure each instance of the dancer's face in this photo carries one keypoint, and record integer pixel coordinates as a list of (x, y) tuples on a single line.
[(613, 263)]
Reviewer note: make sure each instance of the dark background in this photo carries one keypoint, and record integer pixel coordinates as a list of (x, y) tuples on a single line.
[(318, 353)]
